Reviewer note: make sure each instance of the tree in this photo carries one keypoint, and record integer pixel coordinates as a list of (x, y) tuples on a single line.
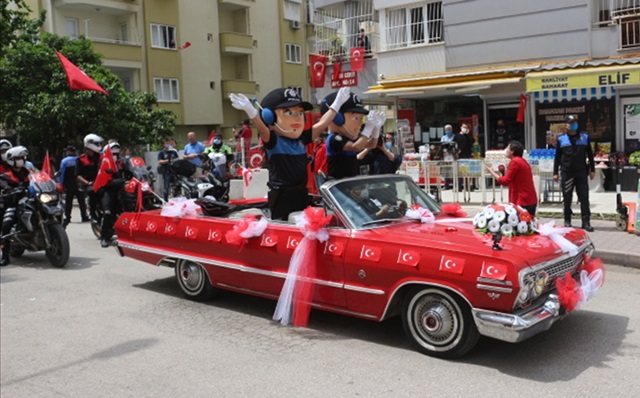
[(16, 24), (37, 105)]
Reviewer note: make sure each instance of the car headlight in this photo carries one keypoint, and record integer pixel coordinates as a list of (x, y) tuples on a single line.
[(47, 198)]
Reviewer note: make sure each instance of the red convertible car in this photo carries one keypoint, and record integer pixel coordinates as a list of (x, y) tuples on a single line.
[(445, 279)]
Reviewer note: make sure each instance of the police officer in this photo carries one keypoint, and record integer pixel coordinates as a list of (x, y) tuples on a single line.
[(87, 166), (575, 159)]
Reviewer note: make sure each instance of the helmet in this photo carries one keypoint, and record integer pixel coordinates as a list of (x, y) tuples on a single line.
[(115, 148), (17, 156), (4, 146), (93, 142)]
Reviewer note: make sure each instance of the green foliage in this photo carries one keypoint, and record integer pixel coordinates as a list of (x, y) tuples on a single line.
[(634, 158), (37, 104), (16, 24)]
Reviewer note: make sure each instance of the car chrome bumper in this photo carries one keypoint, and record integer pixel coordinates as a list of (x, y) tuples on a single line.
[(519, 326)]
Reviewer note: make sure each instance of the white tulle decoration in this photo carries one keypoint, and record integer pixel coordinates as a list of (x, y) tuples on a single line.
[(590, 283), (179, 207), (556, 235), (255, 228), (420, 213)]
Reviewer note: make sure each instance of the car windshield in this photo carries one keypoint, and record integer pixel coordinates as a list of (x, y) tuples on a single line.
[(376, 200)]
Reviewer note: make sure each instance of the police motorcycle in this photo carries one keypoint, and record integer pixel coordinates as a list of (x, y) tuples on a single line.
[(211, 180), (38, 220), (134, 188)]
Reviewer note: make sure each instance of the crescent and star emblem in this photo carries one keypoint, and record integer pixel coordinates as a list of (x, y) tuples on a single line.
[(318, 67), (491, 270), (449, 264), (332, 248), (190, 231), (356, 54), (407, 257), (368, 253), (268, 240)]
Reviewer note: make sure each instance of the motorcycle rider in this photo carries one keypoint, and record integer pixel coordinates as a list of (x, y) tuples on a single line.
[(87, 166), (109, 195), (220, 147), (17, 176)]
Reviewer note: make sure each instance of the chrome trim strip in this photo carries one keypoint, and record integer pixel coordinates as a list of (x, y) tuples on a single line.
[(360, 289), (494, 288), (496, 282)]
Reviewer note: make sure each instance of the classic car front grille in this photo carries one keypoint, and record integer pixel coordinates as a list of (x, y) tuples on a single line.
[(553, 270)]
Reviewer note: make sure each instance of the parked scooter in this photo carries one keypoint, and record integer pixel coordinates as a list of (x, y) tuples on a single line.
[(37, 221)]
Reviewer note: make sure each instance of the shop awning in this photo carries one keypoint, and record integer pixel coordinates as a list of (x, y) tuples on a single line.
[(575, 94), (469, 86), (571, 79)]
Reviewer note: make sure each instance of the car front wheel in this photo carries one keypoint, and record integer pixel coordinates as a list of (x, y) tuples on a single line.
[(194, 281), (438, 324)]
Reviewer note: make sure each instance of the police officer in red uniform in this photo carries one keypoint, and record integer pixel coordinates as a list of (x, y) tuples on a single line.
[(16, 176), (87, 166)]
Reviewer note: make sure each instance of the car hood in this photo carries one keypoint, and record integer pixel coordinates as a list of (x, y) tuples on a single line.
[(461, 236)]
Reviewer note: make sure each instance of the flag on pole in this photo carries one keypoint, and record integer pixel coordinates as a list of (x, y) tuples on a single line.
[(46, 165), (107, 168), (78, 80), (318, 70), (357, 58), (522, 108)]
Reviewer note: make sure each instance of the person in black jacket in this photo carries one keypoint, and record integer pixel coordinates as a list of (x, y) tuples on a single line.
[(574, 158)]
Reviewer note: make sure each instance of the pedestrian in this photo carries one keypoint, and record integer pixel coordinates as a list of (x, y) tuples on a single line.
[(165, 157), (464, 141), (447, 153), (243, 141), (347, 137), (67, 179), (519, 179), (193, 149), (281, 126), (87, 166), (380, 160), (363, 41), (574, 159)]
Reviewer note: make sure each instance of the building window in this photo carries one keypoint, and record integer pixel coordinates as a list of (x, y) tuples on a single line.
[(163, 36), (629, 29), (293, 52), (415, 24), (72, 27), (166, 89), (292, 9)]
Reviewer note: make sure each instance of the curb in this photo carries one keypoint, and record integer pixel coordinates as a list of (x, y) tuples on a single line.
[(617, 258)]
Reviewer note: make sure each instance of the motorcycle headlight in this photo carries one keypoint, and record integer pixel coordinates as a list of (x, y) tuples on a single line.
[(47, 198)]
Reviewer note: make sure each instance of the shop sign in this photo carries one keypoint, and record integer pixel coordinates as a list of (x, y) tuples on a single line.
[(347, 78), (620, 77)]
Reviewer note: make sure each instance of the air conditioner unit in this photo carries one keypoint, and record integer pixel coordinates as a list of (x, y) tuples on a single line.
[(295, 24)]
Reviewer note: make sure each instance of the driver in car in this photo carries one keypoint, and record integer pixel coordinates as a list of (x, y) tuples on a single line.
[(373, 206)]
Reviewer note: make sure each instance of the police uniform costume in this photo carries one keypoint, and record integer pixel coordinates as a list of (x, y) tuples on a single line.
[(87, 167), (572, 154), (288, 159)]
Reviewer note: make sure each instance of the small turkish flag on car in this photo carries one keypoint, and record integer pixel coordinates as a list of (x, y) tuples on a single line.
[(370, 253), (408, 257), (494, 271), (452, 264)]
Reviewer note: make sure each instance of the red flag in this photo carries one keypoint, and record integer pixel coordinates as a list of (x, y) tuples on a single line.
[(318, 65), (78, 80), (184, 46), (210, 138), (337, 68), (521, 108), (46, 165), (408, 257), (452, 264), (333, 248), (494, 271), (371, 253), (104, 176), (357, 58)]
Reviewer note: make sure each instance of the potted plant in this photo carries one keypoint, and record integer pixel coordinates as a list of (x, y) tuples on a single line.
[(634, 159)]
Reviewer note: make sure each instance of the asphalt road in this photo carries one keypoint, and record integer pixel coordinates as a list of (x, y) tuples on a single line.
[(111, 327)]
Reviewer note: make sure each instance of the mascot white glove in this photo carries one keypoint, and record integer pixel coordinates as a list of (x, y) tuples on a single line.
[(342, 97), (242, 103)]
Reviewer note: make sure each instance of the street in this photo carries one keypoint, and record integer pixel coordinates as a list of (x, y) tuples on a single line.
[(107, 326)]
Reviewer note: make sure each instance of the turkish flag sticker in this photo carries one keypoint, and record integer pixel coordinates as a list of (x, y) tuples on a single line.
[(169, 229), (214, 235), (152, 226), (408, 257), (292, 242), (333, 248), (452, 264), (494, 271), (269, 240), (191, 232), (135, 225), (370, 253)]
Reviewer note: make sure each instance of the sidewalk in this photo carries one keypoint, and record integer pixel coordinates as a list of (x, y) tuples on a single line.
[(612, 246)]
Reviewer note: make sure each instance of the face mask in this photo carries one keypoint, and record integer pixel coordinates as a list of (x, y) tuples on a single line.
[(573, 126), (364, 194), (388, 145), (465, 130), (447, 132), (217, 142), (19, 163)]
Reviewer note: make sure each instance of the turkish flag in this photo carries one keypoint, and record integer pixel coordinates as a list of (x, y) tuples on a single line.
[(357, 58), (370, 253), (333, 248), (152, 226), (494, 271), (335, 73), (107, 167), (318, 64), (169, 229), (408, 257), (215, 235), (191, 232), (292, 242), (46, 165), (522, 108), (269, 240), (78, 80), (452, 264)]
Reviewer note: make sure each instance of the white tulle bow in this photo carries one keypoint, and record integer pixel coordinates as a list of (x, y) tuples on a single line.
[(556, 235), (422, 214), (590, 283)]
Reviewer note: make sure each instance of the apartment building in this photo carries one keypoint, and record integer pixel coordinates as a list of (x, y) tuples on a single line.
[(475, 61), (192, 53)]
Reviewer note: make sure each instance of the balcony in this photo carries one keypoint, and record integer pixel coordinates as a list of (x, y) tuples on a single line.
[(234, 4), (238, 86), (111, 7), (119, 52), (232, 43)]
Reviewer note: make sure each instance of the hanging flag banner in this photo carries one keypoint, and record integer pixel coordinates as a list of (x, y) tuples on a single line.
[(335, 73), (78, 80), (357, 58), (317, 64)]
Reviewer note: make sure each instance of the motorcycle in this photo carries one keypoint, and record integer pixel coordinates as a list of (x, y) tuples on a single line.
[(37, 221), (139, 177), (213, 181)]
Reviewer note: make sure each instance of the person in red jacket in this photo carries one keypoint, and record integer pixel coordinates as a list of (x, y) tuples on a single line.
[(519, 179)]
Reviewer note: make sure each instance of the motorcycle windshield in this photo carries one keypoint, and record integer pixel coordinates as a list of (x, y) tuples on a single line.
[(138, 169), (41, 182)]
